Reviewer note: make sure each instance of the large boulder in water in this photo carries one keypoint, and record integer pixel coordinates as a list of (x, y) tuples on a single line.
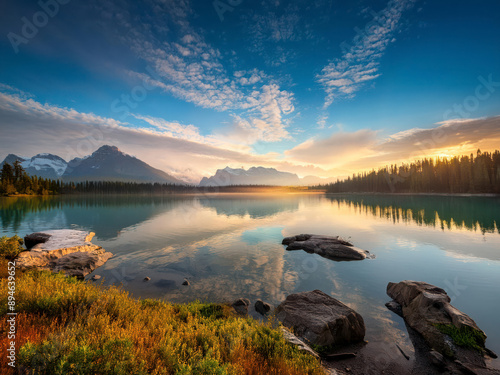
[(321, 319), (66, 250), (426, 308), (332, 247)]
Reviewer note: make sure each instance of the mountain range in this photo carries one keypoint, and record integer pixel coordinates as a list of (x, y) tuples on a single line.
[(108, 163)]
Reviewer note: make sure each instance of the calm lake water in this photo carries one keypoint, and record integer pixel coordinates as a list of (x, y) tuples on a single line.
[(229, 246)]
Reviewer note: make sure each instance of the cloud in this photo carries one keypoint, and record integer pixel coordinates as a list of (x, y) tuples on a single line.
[(345, 153), (338, 149), (185, 66), (360, 62), (29, 127)]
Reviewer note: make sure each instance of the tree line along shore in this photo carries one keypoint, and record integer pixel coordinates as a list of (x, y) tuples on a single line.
[(479, 174)]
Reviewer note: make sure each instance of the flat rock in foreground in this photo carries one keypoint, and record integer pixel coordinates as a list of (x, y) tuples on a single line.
[(332, 247), (66, 250), (321, 319), (426, 308)]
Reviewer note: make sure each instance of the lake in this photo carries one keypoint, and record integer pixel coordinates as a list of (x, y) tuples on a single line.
[(229, 246)]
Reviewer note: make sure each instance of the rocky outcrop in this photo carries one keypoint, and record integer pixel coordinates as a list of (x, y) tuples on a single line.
[(69, 251), (321, 319), (426, 309), (332, 247)]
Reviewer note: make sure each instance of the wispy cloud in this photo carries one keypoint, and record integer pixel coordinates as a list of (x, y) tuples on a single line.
[(188, 68), (360, 63)]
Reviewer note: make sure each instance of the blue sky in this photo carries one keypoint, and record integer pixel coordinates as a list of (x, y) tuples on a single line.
[(313, 87)]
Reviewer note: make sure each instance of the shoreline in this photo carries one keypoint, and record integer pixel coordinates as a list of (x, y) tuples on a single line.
[(486, 195)]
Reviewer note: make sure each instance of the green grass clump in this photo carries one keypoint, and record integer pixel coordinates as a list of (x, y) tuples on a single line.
[(10, 247), (73, 327), (464, 336)]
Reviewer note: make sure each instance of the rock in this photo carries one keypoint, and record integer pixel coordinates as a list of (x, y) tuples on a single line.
[(241, 305), (327, 246), (294, 340), (186, 282), (321, 319), (147, 278), (424, 307), (34, 239), (262, 307), (395, 307), (437, 359), (96, 277), (340, 356), (69, 251)]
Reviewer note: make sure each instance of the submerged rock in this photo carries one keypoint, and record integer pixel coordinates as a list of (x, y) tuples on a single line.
[(66, 250), (241, 305), (332, 247), (321, 319), (262, 307)]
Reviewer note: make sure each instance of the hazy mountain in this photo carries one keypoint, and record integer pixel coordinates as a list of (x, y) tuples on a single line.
[(108, 163), (252, 176)]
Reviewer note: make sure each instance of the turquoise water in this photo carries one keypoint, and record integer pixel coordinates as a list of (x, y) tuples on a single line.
[(229, 246)]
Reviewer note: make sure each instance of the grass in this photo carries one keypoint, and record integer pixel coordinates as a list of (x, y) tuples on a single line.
[(464, 336), (65, 326)]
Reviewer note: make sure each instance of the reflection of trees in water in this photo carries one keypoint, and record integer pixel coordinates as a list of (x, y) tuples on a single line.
[(472, 213), (106, 214)]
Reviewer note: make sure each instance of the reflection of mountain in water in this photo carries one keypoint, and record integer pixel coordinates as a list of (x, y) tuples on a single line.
[(473, 213), (105, 215), (255, 207)]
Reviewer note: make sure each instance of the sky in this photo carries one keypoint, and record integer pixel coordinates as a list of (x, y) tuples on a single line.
[(314, 87)]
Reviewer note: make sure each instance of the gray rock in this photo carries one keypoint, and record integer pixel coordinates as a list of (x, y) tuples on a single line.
[(294, 340), (332, 247), (395, 307), (241, 305), (33, 239), (321, 319), (424, 308), (262, 307), (69, 251), (437, 359)]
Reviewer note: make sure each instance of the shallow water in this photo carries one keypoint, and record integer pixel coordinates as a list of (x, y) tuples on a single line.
[(229, 246)]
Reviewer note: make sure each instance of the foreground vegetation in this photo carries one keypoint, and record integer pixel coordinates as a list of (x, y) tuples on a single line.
[(465, 174), (65, 326)]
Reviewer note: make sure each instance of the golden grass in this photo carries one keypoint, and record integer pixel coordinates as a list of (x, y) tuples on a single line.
[(70, 327)]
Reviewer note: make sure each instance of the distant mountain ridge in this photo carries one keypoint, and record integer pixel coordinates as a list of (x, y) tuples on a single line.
[(107, 163), (252, 176), (259, 176)]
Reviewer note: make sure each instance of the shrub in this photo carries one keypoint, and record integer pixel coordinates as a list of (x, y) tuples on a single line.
[(10, 247)]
